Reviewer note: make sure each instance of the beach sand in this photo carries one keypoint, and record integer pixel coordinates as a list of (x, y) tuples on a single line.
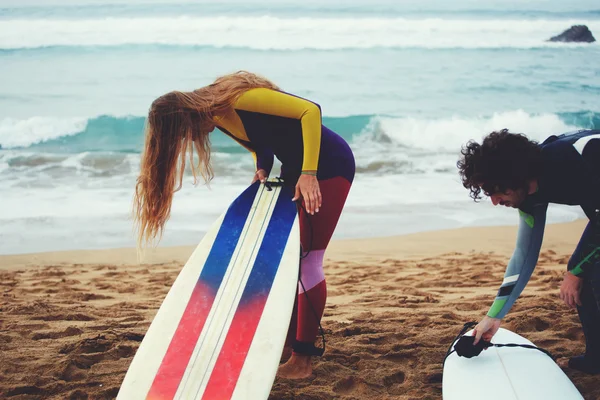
[(72, 321)]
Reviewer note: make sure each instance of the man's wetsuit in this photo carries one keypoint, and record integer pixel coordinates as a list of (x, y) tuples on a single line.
[(570, 175)]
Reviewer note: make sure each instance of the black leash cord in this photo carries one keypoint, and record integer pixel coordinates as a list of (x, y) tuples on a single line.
[(468, 325)]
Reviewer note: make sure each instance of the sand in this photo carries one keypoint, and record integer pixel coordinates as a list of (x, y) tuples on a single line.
[(72, 321)]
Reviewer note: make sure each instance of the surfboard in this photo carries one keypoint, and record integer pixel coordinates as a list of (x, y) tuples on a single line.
[(506, 373), (220, 330)]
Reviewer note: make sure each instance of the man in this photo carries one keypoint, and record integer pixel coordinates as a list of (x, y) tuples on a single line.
[(519, 173)]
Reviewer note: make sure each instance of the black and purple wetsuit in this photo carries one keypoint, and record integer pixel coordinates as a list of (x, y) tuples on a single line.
[(270, 124)]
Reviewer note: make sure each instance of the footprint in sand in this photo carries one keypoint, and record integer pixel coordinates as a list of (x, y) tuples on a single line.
[(573, 333), (434, 378), (353, 386), (394, 382), (89, 296), (49, 272), (70, 331), (401, 357), (25, 390), (395, 378), (531, 324), (85, 353)]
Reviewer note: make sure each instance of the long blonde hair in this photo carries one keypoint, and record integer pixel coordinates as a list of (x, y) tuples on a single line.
[(179, 122)]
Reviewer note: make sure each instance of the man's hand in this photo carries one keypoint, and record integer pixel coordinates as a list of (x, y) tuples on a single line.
[(570, 290), (260, 175), (487, 328)]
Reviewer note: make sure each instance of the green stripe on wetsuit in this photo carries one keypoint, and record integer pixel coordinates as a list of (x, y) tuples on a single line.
[(590, 258)]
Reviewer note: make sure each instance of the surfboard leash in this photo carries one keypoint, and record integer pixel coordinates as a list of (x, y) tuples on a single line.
[(464, 347)]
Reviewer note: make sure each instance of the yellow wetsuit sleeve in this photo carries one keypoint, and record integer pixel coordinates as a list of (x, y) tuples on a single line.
[(272, 102)]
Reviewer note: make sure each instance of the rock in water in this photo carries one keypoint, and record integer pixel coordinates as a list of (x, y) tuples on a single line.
[(576, 33)]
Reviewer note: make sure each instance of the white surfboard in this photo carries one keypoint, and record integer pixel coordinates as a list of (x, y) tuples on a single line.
[(220, 330), (506, 373)]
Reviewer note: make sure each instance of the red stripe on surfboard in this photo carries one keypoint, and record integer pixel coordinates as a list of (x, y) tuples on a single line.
[(182, 344), (233, 354)]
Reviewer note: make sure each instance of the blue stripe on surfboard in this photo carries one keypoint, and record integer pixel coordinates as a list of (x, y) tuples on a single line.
[(271, 249), (227, 238)]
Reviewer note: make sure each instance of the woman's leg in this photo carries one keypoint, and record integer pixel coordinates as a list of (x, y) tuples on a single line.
[(315, 232)]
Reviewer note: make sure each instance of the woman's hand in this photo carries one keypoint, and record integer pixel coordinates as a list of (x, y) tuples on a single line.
[(308, 188), (260, 175), (487, 328)]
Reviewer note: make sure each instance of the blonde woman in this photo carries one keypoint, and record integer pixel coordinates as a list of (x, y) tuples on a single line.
[(269, 123)]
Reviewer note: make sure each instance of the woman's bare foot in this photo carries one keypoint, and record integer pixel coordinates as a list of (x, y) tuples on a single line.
[(297, 367), (286, 354)]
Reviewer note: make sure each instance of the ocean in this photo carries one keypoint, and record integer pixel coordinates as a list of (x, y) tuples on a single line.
[(406, 83)]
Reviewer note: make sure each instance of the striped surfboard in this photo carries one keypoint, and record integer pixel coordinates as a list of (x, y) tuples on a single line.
[(220, 330)]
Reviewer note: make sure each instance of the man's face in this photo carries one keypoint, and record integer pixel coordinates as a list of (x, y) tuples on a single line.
[(510, 198)]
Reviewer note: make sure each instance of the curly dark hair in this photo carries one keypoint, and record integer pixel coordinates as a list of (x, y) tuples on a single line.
[(502, 161)]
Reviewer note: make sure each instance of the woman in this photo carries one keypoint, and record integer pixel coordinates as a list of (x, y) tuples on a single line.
[(267, 122)]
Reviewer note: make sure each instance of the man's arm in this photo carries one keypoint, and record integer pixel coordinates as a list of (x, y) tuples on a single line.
[(523, 260)]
